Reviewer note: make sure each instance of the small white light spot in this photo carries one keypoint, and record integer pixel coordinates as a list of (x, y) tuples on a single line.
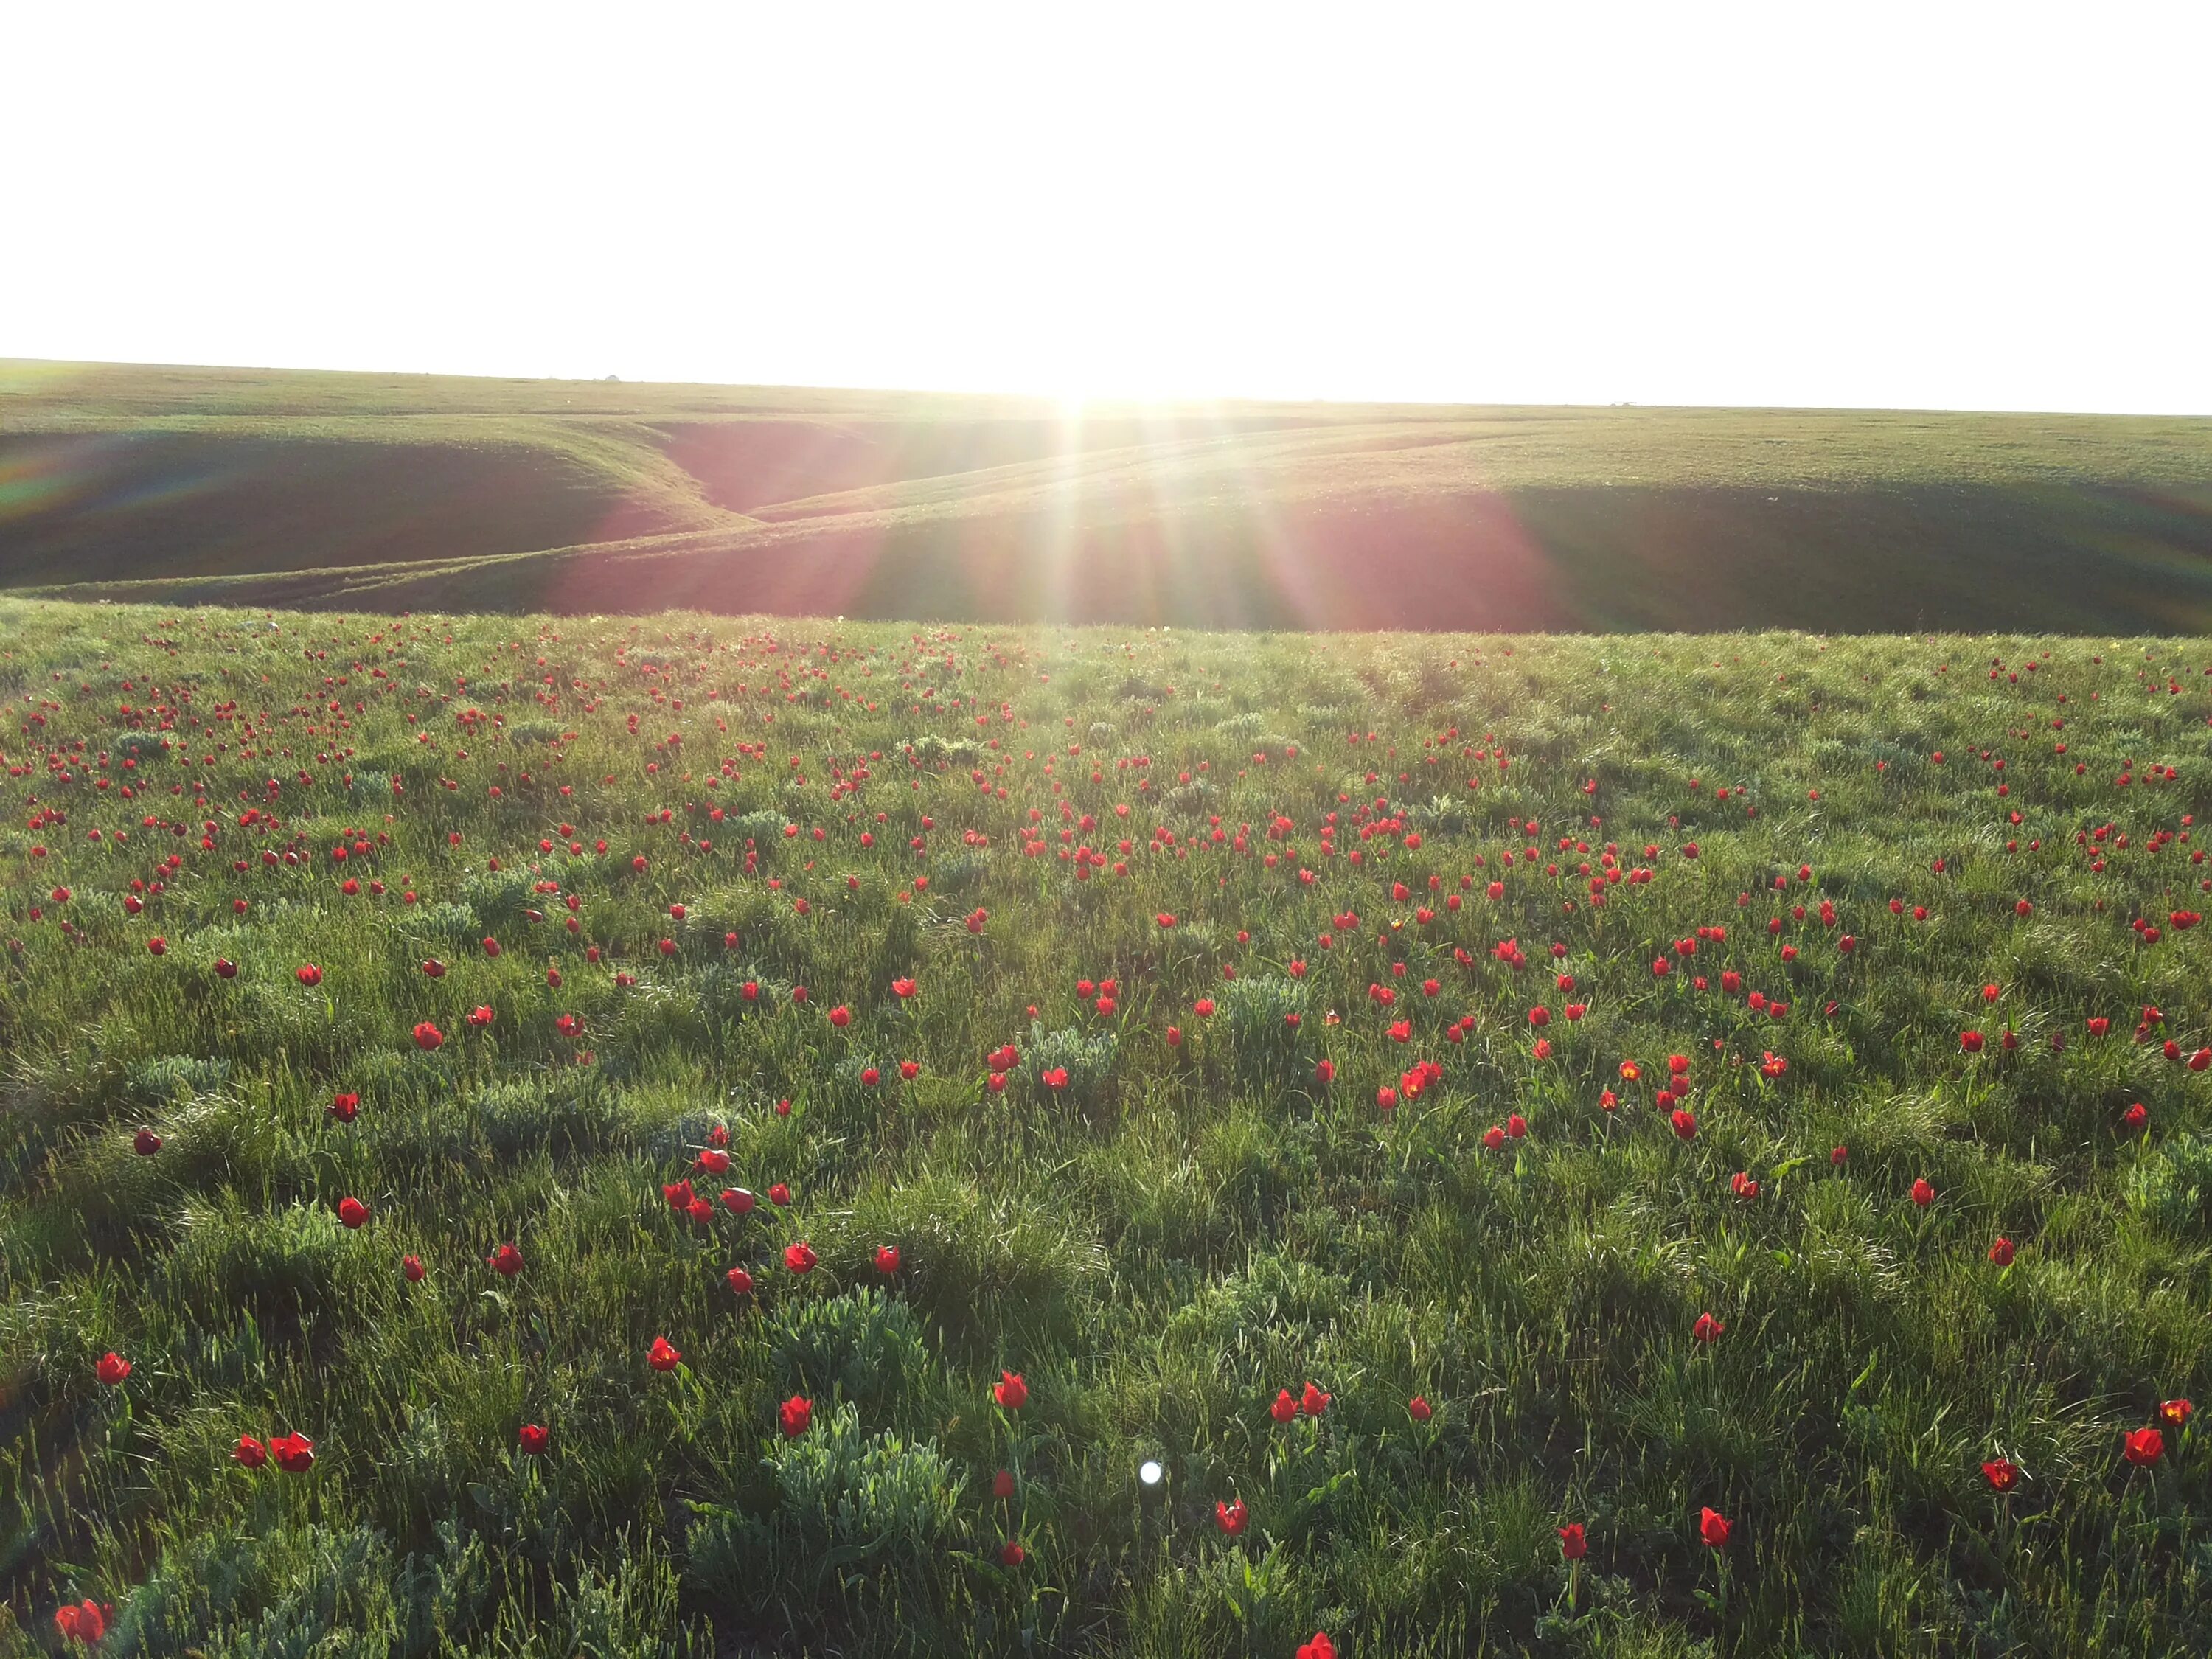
[(1149, 1472)]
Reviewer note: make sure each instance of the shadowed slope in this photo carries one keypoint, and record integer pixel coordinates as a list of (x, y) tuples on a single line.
[(100, 504), (2069, 559)]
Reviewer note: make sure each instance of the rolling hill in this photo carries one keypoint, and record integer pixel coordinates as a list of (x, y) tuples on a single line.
[(392, 492)]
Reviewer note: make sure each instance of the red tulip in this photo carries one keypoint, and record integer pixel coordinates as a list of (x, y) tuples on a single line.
[(479, 1019), (795, 1416), (157, 946), (2001, 1474), (86, 1622), (779, 1195), (799, 1257), (428, 1037), (111, 1368), (309, 974), (1011, 1554), (532, 1439), (2001, 1253), (225, 967), (1707, 1329), (887, 1260), (1010, 1391), (1572, 1544), (2175, 1412), (1313, 1402), (249, 1453), (740, 1281), (1685, 1122), (345, 1107), (2144, 1447), (1286, 1407), (663, 1355), (1971, 1042), (412, 1266), (146, 1143), (1713, 1527), (736, 1201), (840, 1017), (1419, 1409), (1923, 1193), (506, 1261), (295, 1453), (1320, 1648), (1002, 1484), (352, 1212)]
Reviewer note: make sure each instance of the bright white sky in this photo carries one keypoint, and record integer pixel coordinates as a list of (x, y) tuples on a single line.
[(1929, 205)]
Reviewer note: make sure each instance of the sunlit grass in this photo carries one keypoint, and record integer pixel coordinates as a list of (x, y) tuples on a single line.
[(1172, 1233)]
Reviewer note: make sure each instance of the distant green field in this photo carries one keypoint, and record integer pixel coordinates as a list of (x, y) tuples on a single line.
[(1682, 1148), (392, 492)]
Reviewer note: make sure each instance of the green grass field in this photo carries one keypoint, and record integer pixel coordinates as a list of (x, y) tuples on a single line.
[(389, 493), (1239, 1039)]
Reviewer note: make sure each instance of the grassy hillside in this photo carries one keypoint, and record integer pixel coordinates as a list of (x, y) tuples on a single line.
[(397, 492), (1734, 1107)]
